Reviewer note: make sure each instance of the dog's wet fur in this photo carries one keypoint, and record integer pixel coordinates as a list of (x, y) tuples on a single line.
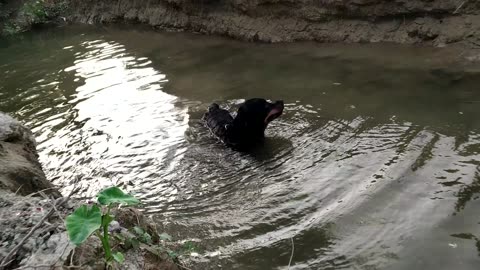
[(248, 127)]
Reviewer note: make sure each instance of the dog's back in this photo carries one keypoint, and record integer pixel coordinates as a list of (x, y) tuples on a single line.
[(248, 127), (217, 120)]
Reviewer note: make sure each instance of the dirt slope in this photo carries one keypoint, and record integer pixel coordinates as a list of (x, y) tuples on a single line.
[(435, 22)]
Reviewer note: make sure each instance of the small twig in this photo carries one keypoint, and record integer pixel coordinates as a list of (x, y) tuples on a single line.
[(138, 220), (38, 192), (156, 229), (58, 213), (74, 266), (474, 43), (49, 228), (5, 264), (460, 6), (71, 257), (53, 205), (20, 187), (6, 261), (291, 256), (48, 266)]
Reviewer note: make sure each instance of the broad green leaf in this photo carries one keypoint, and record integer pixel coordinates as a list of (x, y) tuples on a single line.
[(118, 257), (115, 195), (82, 223), (139, 231), (165, 236)]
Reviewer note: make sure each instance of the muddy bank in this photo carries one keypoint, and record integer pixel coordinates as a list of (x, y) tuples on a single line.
[(429, 22), (432, 22), (20, 170)]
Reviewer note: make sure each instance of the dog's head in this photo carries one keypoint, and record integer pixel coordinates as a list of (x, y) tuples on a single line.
[(255, 114), (260, 111)]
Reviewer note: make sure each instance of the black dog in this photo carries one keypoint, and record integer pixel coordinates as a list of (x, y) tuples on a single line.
[(248, 127)]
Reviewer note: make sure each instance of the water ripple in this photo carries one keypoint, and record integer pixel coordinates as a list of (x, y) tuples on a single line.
[(351, 176)]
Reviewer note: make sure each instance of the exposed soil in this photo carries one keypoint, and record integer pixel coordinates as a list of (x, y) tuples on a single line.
[(433, 22), (20, 170)]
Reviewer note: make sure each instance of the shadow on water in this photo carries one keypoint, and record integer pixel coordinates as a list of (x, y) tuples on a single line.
[(375, 163), (271, 147)]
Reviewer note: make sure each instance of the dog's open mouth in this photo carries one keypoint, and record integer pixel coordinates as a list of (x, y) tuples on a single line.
[(275, 112)]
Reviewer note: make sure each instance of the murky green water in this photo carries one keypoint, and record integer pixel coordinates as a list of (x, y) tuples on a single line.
[(374, 165)]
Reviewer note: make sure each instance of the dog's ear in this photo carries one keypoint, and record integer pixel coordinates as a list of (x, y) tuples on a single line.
[(213, 107), (241, 110)]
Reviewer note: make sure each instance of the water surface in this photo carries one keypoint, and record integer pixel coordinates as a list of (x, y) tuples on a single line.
[(374, 165)]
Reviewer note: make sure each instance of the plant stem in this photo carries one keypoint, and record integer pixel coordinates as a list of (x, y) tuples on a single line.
[(106, 245), (104, 238)]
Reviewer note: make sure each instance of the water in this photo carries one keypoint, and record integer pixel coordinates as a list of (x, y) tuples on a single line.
[(374, 165)]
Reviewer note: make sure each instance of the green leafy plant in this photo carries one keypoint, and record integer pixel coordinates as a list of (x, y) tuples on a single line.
[(173, 253), (35, 11), (189, 247), (85, 220), (10, 29), (142, 235)]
